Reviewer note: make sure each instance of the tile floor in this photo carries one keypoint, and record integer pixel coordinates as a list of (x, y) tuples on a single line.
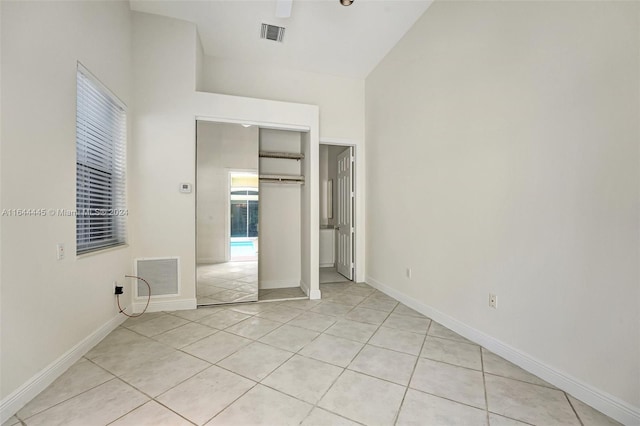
[(281, 293), (330, 275), (228, 282), (356, 357)]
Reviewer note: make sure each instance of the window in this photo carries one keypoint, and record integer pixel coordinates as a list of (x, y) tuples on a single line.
[(101, 133)]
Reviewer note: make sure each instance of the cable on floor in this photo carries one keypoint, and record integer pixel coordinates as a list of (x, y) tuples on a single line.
[(148, 298)]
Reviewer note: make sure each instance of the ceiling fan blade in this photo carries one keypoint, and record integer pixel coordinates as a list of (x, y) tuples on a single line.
[(283, 8)]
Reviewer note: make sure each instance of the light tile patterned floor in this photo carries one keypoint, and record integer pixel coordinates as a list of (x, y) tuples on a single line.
[(330, 275), (281, 293), (227, 282), (358, 358)]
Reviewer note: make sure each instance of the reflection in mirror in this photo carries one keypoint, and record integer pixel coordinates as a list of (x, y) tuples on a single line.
[(227, 228)]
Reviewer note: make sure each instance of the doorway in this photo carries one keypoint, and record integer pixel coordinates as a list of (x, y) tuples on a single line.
[(337, 213)]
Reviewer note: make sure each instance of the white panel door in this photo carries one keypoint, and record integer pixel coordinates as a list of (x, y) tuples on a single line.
[(345, 214)]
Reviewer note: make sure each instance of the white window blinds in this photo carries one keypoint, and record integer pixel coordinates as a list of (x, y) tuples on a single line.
[(101, 132)]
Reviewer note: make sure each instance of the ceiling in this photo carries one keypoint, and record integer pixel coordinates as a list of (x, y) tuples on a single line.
[(321, 35)]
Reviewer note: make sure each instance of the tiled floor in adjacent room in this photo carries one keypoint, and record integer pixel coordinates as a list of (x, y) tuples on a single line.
[(330, 275), (356, 357)]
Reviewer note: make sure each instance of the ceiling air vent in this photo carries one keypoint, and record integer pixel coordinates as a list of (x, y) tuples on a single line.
[(272, 32)]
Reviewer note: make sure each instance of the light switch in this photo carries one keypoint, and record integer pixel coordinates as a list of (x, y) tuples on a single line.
[(60, 251)]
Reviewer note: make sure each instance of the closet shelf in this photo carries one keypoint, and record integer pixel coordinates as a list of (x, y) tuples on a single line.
[(282, 179), (287, 155)]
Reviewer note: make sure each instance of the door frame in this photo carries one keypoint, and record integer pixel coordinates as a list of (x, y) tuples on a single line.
[(358, 207), (283, 116)]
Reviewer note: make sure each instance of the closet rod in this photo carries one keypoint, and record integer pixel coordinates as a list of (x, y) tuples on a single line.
[(286, 155), (282, 179)]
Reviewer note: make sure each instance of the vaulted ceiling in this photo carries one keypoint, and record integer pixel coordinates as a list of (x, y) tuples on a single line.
[(321, 35)]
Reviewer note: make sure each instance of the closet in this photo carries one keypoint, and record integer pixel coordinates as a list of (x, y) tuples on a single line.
[(281, 181), (249, 209)]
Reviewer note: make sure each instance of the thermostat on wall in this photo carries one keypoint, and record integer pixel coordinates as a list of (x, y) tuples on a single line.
[(185, 188)]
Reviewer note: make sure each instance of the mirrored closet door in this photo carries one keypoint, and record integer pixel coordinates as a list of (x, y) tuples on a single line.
[(227, 207)]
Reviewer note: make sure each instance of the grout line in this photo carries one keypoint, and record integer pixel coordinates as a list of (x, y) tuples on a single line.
[(338, 318), (573, 408), (306, 310), (173, 411), (356, 355), (114, 378), (453, 400), (70, 398), (511, 418), (231, 403), (134, 408), (453, 365), (415, 365), (484, 387), (315, 407), (216, 363), (522, 381)]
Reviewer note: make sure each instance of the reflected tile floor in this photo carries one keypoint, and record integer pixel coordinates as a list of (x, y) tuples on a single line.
[(230, 282), (359, 358)]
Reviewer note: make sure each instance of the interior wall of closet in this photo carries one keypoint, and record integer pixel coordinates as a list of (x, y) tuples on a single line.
[(281, 180)]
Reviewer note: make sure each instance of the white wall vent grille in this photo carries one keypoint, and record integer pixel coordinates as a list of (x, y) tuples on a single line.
[(162, 274), (272, 32)]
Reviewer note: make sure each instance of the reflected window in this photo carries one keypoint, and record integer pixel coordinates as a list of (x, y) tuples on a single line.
[(244, 213)]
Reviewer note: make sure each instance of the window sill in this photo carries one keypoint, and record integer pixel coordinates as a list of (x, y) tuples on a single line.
[(101, 251)]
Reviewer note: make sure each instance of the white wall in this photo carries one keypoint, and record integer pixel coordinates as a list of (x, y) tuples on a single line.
[(309, 222), (280, 210), (341, 104), (221, 148), (49, 306), (164, 62), (340, 99), (502, 154), (163, 155), (199, 64)]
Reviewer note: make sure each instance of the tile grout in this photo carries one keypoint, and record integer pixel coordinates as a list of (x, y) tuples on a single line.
[(338, 318), (573, 408), (415, 365), (346, 367), (291, 354), (484, 388)]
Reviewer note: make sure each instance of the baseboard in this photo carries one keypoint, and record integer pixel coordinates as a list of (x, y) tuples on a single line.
[(208, 260), (165, 305), (327, 265), (313, 294), (608, 404), (305, 287), (25, 393), (269, 284)]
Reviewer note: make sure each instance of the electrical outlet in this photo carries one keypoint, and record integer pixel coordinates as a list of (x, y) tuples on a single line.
[(493, 301), (409, 273)]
